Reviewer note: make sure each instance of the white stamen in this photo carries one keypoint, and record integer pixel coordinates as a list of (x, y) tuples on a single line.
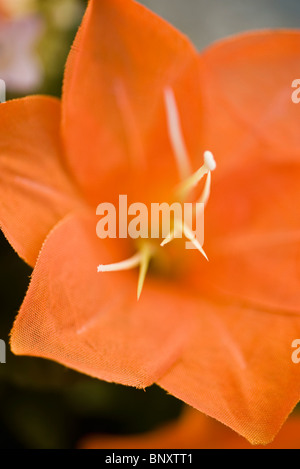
[(181, 227), (209, 161), (192, 237), (130, 263), (141, 259), (191, 182), (175, 233), (206, 191), (168, 239), (175, 134)]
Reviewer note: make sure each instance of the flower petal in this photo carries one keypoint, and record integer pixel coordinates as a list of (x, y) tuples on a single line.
[(254, 236), (238, 369), (252, 125), (247, 84), (115, 124), (287, 438), (92, 321), (243, 346), (35, 191)]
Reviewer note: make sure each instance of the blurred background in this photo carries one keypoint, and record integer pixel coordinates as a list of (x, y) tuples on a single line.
[(44, 405)]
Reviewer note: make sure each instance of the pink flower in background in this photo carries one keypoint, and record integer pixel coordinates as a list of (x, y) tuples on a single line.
[(20, 67)]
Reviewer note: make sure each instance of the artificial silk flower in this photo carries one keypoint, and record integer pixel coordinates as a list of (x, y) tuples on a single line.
[(193, 430), (139, 108)]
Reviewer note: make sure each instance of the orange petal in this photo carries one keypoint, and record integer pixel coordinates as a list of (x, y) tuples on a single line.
[(252, 125), (242, 350), (92, 321), (114, 120), (247, 86), (238, 369), (254, 236), (194, 431), (35, 191), (287, 438)]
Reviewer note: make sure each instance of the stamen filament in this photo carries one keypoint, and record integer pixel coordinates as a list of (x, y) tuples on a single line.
[(176, 136), (183, 228), (206, 192), (168, 239), (191, 182), (128, 264), (172, 235), (142, 259), (192, 237), (144, 264)]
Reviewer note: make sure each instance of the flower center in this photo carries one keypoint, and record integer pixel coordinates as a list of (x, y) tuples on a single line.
[(147, 249)]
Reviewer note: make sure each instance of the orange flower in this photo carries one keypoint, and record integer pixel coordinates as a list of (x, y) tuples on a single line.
[(193, 430), (217, 335)]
